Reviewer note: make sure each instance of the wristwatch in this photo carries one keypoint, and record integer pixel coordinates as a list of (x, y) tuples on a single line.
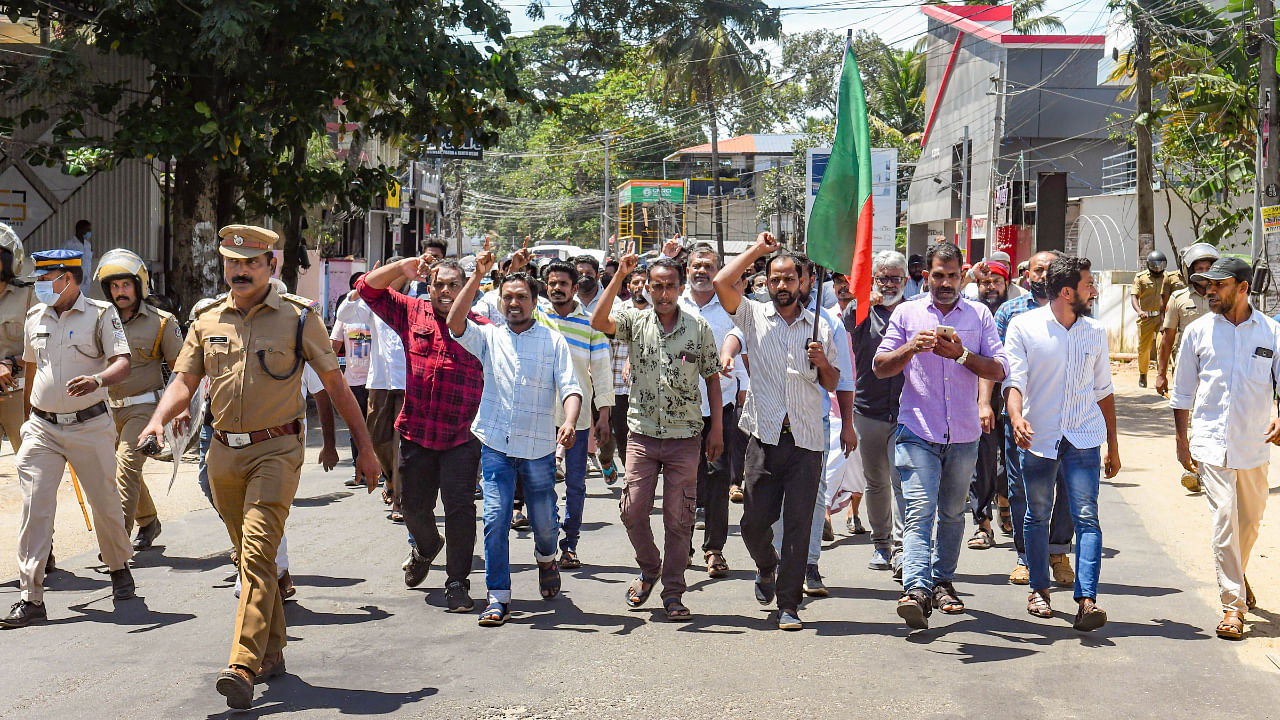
[(98, 378), (963, 356)]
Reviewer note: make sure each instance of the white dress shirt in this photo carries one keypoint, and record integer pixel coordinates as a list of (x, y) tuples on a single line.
[(1226, 377), (721, 327), (387, 365), (1062, 374)]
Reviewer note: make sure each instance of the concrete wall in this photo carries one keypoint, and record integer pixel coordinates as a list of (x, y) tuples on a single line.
[(1107, 230)]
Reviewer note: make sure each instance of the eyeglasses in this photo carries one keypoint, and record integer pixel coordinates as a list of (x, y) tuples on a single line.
[(890, 279)]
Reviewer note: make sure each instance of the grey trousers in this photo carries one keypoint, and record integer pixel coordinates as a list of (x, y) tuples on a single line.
[(883, 499)]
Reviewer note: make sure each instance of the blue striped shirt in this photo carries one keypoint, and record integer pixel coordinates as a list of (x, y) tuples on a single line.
[(592, 361)]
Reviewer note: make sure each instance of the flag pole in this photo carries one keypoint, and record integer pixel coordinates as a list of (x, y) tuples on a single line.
[(820, 280)]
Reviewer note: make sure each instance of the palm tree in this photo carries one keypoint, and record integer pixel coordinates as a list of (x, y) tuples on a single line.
[(710, 57), (900, 96)]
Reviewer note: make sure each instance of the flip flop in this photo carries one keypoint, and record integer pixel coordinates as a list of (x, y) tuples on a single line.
[(637, 594), (676, 611)]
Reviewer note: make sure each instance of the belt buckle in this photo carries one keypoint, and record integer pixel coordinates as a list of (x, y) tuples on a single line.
[(67, 418), (238, 440)]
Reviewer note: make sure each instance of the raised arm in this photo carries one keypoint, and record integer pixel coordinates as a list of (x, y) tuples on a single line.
[(600, 318), (458, 313), (725, 280)]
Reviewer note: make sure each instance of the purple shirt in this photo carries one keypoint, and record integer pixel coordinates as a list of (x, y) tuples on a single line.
[(939, 396)]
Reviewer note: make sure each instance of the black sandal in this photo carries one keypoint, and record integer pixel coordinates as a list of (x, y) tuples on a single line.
[(944, 599), (549, 580), (494, 615), (637, 593), (676, 611)]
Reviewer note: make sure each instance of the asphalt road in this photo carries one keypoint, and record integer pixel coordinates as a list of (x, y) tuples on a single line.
[(360, 643)]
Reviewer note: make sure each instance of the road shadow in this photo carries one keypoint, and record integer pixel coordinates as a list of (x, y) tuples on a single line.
[(133, 612), (155, 557), (320, 500), (562, 614), (298, 615), (1144, 413), (325, 581), (290, 693), (66, 581)]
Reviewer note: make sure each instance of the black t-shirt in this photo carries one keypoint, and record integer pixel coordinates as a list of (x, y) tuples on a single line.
[(874, 398)]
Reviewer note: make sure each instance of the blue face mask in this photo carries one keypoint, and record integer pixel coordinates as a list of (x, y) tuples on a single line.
[(45, 292)]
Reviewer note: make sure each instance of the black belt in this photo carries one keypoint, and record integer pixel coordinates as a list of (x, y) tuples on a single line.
[(71, 418)]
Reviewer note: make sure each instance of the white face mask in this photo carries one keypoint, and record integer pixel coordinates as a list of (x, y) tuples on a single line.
[(45, 292), (88, 235)]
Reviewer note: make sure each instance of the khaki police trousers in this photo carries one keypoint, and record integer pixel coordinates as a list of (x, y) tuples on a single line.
[(134, 496), (47, 448), (1148, 329), (11, 419), (253, 487)]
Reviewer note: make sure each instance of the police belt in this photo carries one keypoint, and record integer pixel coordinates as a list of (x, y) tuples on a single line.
[(152, 396), (239, 440), (71, 418)]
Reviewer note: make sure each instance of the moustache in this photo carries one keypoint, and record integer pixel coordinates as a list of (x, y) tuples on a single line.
[(241, 279)]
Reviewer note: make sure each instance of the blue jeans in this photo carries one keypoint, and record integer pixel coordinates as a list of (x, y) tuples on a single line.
[(1060, 527), (1080, 470), (935, 487), (499, 485), (575, 490)]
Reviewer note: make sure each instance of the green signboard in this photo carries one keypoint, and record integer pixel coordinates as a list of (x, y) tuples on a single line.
[(651, 191)]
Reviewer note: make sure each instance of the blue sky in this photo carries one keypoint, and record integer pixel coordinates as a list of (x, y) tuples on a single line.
[(898, 22)]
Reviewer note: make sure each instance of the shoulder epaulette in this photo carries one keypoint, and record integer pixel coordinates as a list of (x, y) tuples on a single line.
[(299, 300)]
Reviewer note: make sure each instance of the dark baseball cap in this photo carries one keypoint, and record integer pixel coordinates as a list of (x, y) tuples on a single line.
[(1226, 267)]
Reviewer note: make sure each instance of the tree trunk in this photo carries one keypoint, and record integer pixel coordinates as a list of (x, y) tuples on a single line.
[(197, 267), (717, 218), (294, 247)]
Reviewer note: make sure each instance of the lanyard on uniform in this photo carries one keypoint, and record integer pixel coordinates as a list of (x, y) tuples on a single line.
[(297, 349)]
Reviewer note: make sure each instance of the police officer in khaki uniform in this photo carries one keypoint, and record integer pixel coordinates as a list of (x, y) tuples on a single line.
[(252, 344), (154, 336), (1151, 290), (75, 348), (15, 301), (1185, 304)]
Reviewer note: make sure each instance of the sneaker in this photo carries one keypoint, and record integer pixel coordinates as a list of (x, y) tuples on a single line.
[(1063, 575), (519, 521), (353, 481), (789, 620), (880, 560), (457, 596), (416, 565), (23, 613), (735, 493), (854, 526), (700, 519), (813, 586), (897, 566), (594, 462), (1020, 575)]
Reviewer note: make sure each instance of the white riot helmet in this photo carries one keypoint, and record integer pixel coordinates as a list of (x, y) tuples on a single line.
[(120, 263), (9, 241), (1199, 251)]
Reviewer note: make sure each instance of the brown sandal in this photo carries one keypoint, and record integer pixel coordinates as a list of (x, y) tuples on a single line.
[(1232, 626), (1038, 604), (1089, 617), (716, 566)]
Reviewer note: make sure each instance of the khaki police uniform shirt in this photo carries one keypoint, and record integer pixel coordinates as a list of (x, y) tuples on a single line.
[(1185, 305), (1148, 290), (225, 344), (78, 342), (142, 330), (15, 301)]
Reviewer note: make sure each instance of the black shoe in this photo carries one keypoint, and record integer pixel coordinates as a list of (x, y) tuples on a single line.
[(122, 584), (813, 586), (147, 535), (23, 613), (457, 595), (416, 566), (766, 586), (1142, 381)]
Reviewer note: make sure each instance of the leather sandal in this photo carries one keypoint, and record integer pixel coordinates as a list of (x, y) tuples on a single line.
[(716, 566), (637, 593), (945, 599), (1089, 616), (1232, 626), (1038, 604), (983, 539)]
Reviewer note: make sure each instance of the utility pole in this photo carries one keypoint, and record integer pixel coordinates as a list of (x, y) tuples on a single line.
[(1268, 166), (1146, 196), (604, 209), (992, 187), (964, 193)]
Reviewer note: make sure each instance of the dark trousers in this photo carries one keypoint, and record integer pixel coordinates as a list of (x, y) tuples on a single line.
[(989, 476), (451, 474), (618, 424), (781, 480), (362, 400), (713, 485)]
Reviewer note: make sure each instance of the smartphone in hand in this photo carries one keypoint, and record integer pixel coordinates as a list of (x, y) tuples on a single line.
[(946, 331)]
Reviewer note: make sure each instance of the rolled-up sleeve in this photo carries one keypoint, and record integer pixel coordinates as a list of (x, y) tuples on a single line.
[(1186, 376), (895, 335), (991, 345)]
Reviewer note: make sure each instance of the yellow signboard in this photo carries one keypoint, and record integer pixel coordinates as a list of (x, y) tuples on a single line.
[(1271, 218), (393, 196)]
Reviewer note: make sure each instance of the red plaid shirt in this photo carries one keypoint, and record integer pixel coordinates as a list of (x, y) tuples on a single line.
[(444, 381)]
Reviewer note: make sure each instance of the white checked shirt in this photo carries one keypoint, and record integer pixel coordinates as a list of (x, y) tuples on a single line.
[(721, 327), (783, 384), (1062, 374), (1226, 377), (526, 376)]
